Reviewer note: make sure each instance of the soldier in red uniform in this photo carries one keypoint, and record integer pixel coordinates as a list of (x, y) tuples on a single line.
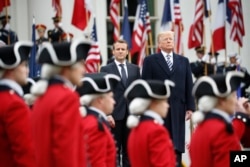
[(214, 136), (56, 121), (149, 143), (241, 122), (97, 96), (16, 146)]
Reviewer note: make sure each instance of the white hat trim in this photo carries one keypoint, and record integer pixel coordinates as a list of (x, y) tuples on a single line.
[(52, 52), (17, 54), (215, 89), (106, 77), (144, 83)]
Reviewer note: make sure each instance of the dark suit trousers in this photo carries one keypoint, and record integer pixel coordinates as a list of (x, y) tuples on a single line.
[(121, 133), (168, 125)]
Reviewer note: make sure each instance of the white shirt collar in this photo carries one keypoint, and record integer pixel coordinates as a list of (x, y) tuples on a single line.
[(99, 112), (165, 53), (223, 114), (154, 115), (13, 85), (65, 81), (118, 63)]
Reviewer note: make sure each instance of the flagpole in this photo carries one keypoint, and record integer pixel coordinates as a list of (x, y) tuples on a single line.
[(7, 19), (119, 27)]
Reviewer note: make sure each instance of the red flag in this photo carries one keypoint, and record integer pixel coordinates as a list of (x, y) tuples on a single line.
[(237, 22), (196, 30), (219, 27), (81, 14), (3, 4), (114, 16), (94, 56), (58, 7)]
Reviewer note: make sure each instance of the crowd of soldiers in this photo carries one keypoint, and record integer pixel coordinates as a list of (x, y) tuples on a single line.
[(65, 119), (57, 34), (207, 64)]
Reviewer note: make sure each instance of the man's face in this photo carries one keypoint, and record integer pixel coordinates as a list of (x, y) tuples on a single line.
[(41, 32), (77, 71), (233, 60), (20, 73), (120, 51), (166, 42)]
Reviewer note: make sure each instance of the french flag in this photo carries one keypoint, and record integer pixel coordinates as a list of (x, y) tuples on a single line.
[(219, 41)]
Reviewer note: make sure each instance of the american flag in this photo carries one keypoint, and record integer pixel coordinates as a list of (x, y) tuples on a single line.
[(114, 16), (178, 27), (196, 30), (58, 7), (94, 56), (140, 32), (237, 22)]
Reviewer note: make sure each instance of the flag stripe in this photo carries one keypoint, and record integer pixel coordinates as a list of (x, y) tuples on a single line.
[(94, 55), (114, 16), (237, 23), (196, 30)]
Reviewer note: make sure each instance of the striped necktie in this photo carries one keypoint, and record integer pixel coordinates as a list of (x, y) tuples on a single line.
[(124, 76), (169, 62)]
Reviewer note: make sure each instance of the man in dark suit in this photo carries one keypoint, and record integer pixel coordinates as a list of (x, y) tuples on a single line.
[(7, 35), (120, 114), (55, 34), (168, 65)]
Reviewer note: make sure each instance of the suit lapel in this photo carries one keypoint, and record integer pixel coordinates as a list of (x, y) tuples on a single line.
[(116, 71)]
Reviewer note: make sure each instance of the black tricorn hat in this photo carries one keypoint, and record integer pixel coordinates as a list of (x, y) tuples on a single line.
[(97, 83), (200, 49), (5, 17), (64, 53), (218, 85), (215, 53), (12, 55), (56, 19), (149, 89)]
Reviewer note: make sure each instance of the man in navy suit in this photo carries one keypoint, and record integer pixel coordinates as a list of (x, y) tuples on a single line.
[(168, 65), (120, 113)]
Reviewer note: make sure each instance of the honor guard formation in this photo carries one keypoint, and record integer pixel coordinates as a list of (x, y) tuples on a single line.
[(123, 114)]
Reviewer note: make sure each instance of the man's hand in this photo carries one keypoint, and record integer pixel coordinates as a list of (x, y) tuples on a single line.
[(111, 121), (188, 114), (243, 105)]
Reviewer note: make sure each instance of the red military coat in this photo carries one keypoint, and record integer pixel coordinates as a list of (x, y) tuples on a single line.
[(241, 123), (99, 142), (16, 147), (149, 145), (57, 131), (212, 141)]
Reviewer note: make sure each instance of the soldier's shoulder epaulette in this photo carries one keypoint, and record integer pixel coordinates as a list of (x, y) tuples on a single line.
[(243, 117)]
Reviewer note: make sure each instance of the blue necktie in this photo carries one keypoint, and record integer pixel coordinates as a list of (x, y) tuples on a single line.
[(170, 64), (124, 77)]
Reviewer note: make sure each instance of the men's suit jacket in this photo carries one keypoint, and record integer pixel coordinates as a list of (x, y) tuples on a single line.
[(121, 104), (181, 99)]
